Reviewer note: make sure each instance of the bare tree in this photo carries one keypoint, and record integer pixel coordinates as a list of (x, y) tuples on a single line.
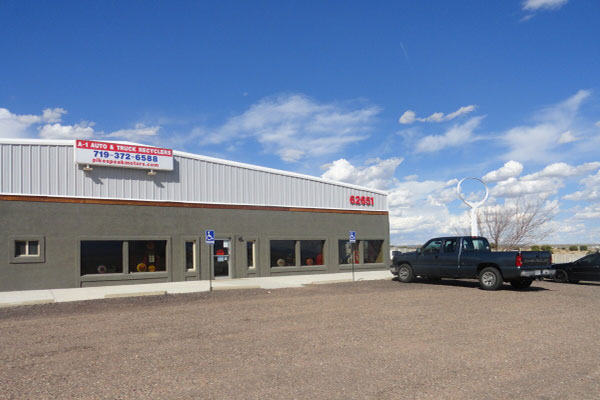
[(518, 222), (495, 223)]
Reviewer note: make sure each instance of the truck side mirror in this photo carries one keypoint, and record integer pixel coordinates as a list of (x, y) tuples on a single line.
[(419, 252)]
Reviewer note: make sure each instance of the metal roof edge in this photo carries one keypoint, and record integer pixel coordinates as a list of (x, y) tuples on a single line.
[(386, 210), (71, 142)]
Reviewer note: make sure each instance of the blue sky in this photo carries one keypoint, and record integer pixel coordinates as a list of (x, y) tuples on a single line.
[(402, 96)]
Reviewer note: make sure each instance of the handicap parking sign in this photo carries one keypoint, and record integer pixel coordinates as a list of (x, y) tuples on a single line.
[(352, 236), (210, 237)]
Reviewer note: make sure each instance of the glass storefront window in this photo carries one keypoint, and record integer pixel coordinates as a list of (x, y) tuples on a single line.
[(345, 252), (101, 257), (251, 253), (311, 252), (373, 253), (283, 253), (190, 255), (147, 255)]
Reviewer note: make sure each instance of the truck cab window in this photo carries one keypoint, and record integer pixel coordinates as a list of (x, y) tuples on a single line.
[(449, 245), (478, 244), (432, 247)]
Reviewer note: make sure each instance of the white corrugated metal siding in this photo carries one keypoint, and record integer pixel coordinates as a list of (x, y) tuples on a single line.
[(49, 169)]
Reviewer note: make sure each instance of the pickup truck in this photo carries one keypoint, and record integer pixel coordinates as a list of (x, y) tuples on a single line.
[(471, 257)]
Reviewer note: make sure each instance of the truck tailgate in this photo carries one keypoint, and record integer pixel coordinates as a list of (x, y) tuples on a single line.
[(536, 259)]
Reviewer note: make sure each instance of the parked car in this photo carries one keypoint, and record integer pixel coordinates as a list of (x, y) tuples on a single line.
[(585, 269), (472, 257)]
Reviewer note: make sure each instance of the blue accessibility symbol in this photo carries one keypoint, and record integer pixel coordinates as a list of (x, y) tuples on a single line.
[(352, 236), (210, 237)]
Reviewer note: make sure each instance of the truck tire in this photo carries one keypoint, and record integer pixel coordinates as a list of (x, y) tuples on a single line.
[(561, 276), (490, 279), (520, 285), (405, 273)]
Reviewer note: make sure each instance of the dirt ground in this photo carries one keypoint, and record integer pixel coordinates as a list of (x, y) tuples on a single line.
[(362, 340)]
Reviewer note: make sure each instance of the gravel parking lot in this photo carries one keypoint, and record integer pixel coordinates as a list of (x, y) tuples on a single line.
[(362, 340)]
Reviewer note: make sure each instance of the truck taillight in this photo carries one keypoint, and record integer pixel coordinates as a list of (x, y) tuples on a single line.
[(519, 261)]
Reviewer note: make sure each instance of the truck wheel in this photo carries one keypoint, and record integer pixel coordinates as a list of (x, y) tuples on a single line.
[(405, 273), (521, 284), (561, 276), (490, 279)]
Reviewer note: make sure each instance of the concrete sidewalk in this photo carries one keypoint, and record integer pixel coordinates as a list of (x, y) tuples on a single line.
[(29, 297)]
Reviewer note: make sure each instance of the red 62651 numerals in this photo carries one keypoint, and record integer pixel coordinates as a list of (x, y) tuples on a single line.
[(362, 200)]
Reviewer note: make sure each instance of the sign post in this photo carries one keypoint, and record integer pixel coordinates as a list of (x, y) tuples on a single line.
[(352, 240), (209, 236)]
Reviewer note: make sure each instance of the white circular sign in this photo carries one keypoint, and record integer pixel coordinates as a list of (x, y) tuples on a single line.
[(476, 204)]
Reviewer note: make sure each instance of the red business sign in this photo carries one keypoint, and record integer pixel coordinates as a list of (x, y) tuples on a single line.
[(108, 154)]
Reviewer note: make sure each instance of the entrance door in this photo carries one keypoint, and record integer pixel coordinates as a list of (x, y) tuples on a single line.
[(221, 257)]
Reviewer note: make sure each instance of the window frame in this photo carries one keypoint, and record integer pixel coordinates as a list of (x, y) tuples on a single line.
[(298, 267), (190, 273), (27, 258), (382, 251), (195, 257), (361, 253), (359, 248), (126, 275), (299, 244), (254, 240)]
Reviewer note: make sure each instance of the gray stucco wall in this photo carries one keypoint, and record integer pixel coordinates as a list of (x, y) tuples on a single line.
[(63, 225)]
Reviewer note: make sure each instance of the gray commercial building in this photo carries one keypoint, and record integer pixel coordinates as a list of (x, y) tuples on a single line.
[(131, 213)]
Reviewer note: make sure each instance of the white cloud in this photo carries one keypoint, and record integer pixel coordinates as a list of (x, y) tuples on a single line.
[(590, 212), (455, 136), (18, 126), (417, 209), (83, 130), (422, 209), (13, 125), (380, 175), (410, 116), (296, 127), (461, 111), (48, 125), (563, 170), (141, 132), (590, 191), (516, 188), (53, 114), (567, 137), (534, 5), (538, 141), (511, 169)]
